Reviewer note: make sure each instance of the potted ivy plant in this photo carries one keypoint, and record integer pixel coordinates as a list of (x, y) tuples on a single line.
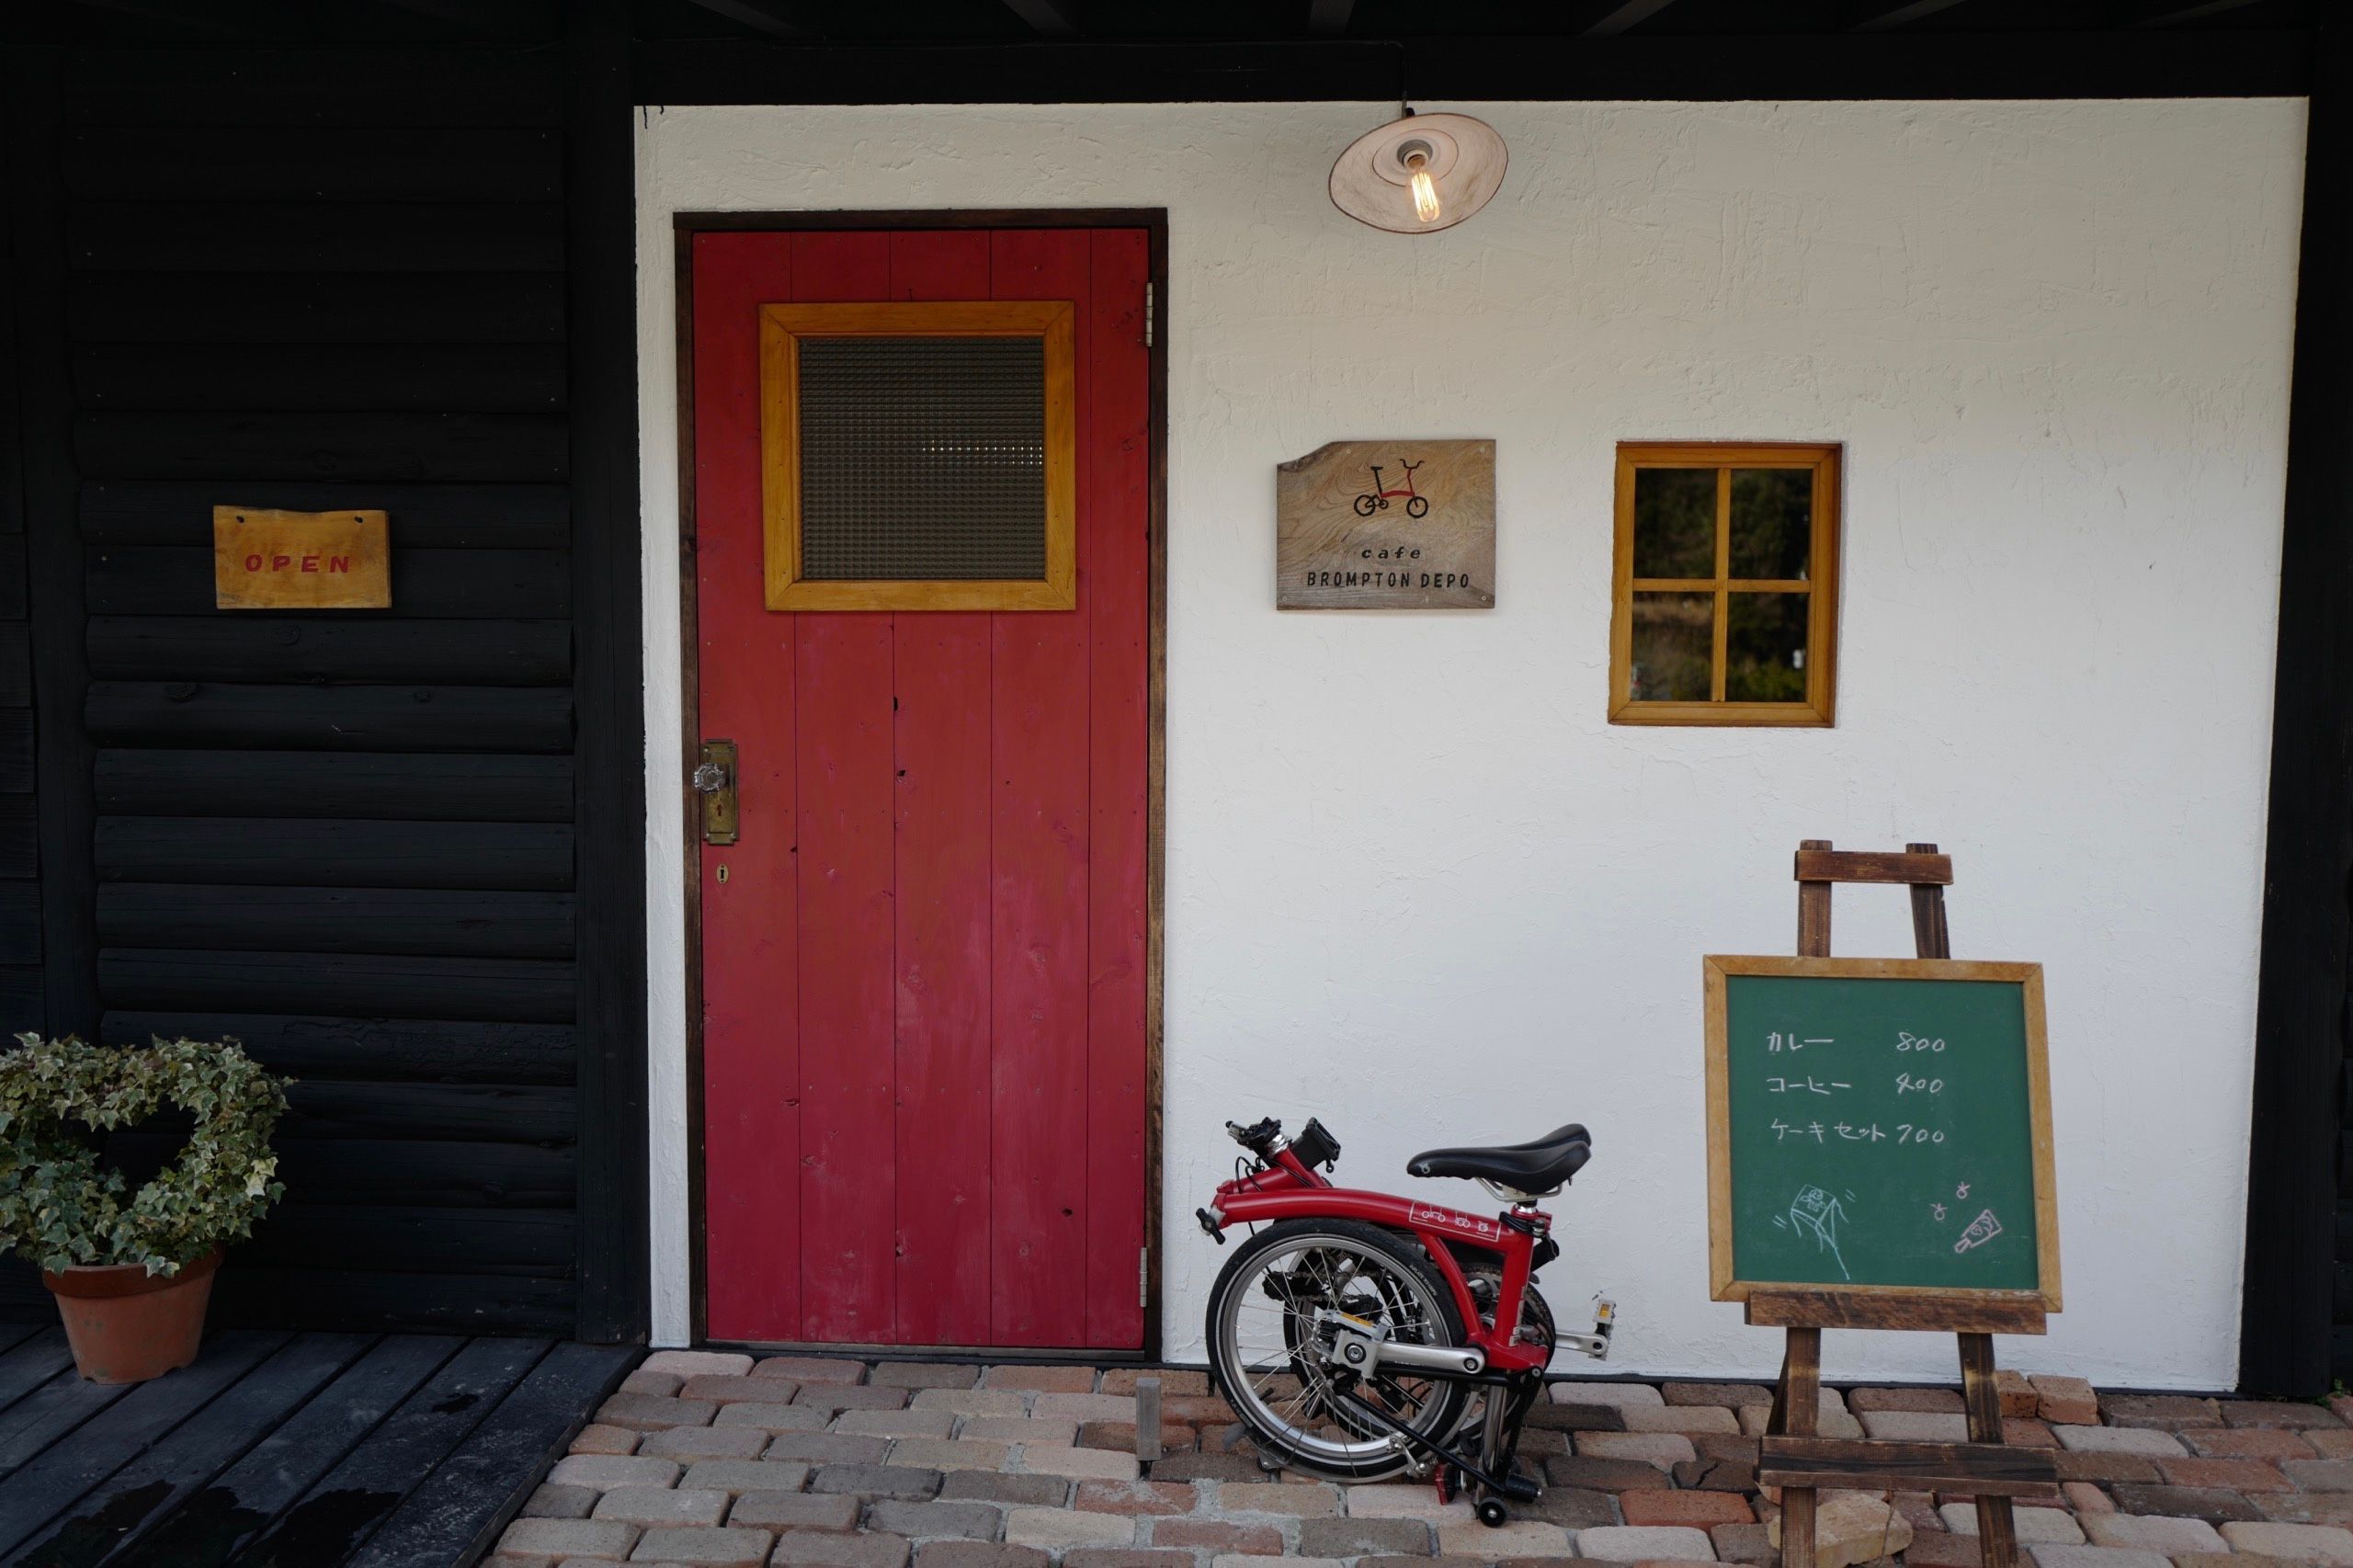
[(133, 1271)]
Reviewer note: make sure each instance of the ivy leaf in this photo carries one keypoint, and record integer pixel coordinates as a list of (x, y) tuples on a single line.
[(59, 1206)]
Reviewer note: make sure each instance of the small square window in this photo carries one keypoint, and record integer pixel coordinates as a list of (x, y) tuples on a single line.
[(1725, 607), (919, 456)]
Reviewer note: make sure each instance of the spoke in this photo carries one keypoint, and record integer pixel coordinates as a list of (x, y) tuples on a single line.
[(1282, 1303), (1398, 1398)]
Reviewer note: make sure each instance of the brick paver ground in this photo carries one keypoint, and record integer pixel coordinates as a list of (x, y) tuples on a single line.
[(706, 1457)]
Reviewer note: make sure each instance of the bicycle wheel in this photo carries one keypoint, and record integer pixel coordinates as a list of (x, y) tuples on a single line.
[(1265, 1339)]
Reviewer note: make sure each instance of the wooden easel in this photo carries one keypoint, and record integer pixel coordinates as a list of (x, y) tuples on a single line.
[(1791, 1456)]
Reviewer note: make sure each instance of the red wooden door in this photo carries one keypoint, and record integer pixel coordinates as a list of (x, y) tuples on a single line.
[(923, 976)]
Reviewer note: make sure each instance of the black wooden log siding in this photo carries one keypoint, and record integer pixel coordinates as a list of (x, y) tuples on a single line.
[(175, 236), (32, 409), (374, 786), (348, 838), (439, 584), (600, 235)]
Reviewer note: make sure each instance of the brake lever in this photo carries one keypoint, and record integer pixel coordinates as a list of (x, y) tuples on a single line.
[(1258, 1137)]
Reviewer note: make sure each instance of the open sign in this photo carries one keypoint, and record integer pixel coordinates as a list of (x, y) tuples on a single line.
[(268, 559)]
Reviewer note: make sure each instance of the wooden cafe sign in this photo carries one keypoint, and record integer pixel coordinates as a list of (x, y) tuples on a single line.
[(1387, 524), (265, 558)]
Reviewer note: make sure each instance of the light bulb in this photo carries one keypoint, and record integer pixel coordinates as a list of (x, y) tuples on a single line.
[(1411, 157), (1425, 193)]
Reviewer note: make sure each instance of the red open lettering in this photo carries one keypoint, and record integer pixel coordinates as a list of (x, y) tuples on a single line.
[(309, 564), (279, 562), (253, 563), (338, 563)]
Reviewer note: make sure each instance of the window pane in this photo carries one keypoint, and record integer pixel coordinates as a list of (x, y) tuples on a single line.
[(1765, 648), (1675, 642), (1675, 522), (923, 458), (1772, 522)]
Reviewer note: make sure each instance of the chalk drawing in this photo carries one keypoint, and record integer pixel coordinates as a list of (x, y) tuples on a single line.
[(1815, 1213), (1982, 1229)]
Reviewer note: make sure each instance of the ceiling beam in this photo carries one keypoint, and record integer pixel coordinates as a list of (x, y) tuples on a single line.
[(440, 10), (1625, 14), (778, 19), (2173, 16), (1329, 18), (1882, 15), (1053, 18), (486, 18), (196, 14)]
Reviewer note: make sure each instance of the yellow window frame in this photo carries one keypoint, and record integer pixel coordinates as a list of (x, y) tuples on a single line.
[(784, 328), (1818, 710)]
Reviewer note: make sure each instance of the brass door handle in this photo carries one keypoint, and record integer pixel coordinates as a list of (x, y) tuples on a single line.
[(714, 778)]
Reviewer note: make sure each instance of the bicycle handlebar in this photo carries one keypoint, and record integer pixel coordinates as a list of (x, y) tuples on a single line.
[(1259, 1136)]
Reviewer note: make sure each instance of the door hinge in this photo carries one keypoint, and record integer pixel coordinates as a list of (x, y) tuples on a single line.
[(1143, 1277), (1147, 314)]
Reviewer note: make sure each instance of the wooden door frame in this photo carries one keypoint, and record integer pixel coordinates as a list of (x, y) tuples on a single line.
[(1153, 220)]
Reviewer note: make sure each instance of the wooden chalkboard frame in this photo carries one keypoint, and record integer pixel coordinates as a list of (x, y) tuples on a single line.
[(1723, 1285)]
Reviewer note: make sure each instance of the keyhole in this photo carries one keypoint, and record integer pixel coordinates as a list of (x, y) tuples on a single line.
[(722, 871)]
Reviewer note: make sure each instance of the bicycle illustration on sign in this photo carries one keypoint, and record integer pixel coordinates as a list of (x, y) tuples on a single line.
[(1377, 499)]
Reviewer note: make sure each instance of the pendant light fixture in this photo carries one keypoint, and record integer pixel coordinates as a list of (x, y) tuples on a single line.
[(1419, 173)]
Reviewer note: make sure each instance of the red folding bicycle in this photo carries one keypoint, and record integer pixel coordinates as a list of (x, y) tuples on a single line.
[(1362, 1336)]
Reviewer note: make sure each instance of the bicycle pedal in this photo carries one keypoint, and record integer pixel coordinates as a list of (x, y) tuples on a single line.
[(1597, 1343)]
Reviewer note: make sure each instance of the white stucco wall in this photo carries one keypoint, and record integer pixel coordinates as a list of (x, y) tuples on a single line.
[(1417, 884)]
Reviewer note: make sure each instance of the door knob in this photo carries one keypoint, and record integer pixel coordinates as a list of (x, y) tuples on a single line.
[(714, 778)]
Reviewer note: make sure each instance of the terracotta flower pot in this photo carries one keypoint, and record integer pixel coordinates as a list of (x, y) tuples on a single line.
[(127, 1325)]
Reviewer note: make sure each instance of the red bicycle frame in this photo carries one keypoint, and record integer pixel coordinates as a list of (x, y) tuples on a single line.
[(1384, 493), (1289, 1188)]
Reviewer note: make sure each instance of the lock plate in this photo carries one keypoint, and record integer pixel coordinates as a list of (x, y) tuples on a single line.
[(715, 782)]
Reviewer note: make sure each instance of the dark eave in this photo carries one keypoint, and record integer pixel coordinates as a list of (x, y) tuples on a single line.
[(770, 19), (881, 52), (2168, 62)]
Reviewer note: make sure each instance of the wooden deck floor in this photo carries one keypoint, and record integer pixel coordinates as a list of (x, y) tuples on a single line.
[(291, 1450)]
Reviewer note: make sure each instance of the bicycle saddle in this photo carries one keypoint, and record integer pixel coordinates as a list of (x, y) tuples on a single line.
[(1538, 1166)]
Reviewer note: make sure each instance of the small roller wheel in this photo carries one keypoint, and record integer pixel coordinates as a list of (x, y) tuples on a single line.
[(1493, 1513)]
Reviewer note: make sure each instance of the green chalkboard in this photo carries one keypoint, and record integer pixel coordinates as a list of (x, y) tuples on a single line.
[(1878, 1124)]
